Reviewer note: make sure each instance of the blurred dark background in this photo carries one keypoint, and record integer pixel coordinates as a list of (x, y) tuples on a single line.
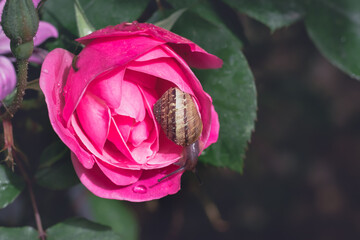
[(302, 173)]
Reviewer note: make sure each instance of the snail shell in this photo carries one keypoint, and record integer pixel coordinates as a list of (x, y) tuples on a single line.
[(178, 116)]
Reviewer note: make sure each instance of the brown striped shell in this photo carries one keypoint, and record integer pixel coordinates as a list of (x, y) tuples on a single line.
[(177, 115)]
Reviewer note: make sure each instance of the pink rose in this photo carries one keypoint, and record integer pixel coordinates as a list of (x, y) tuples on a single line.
[(101, 106)]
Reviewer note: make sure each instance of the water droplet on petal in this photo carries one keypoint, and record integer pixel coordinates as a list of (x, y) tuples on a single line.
[(139, 189)]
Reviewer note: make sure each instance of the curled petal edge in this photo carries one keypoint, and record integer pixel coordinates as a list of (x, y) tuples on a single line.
[(194, 55), (53, 77), (145, 189)]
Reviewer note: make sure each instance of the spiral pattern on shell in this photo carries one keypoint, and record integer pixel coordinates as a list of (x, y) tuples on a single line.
[(178, 116)]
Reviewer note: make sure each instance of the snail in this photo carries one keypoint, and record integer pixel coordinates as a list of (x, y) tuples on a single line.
[(73, 63), (179, 118)]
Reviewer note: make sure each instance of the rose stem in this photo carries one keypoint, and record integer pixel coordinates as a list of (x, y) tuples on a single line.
[(42, 234), (9, 145), (212, 211), (158, 3)]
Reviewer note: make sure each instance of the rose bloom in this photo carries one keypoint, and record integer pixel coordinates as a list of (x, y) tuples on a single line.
[(101, 106)]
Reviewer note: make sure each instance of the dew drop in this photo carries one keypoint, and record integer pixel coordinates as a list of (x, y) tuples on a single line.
[(139, 189)]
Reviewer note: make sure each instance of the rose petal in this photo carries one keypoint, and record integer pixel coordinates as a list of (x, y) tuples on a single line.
[(114, 157), (141, 131), (141, 79), (145, 189), (38, 55), (145, 150), (119, 176), (2, 4), (215, 126), (194, 55), (117, 139), (36, 2), (144, 138), (94, 117), (112, 32), (101, 56), (45, 31), (7, 77), (108, 87), (4, 43), (131, 153), (151, 145), (109, 154), (167, 69), (124, 124), (198, 58), (154, 53), (168, 153), (53, 76), (132, 104), (143, 153)]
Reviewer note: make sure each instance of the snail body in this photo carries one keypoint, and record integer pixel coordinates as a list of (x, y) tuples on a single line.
[(73, 63), (179, 118)]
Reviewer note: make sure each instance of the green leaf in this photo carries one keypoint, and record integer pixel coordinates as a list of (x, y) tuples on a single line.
[(83, 24), (23, 233), (100, 13), (62, 15), (10, 98), (115, 214), (57, 177), (232, 87), (11, 186), (334, 26), (169, 22), (207, 10), (203, 8), (273, 13), (52, 153), (112, 12), (80, 229), (55, 170)]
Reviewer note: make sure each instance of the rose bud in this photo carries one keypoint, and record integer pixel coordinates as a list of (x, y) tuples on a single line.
[(101, 104), (20, 22), (45, 31)]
